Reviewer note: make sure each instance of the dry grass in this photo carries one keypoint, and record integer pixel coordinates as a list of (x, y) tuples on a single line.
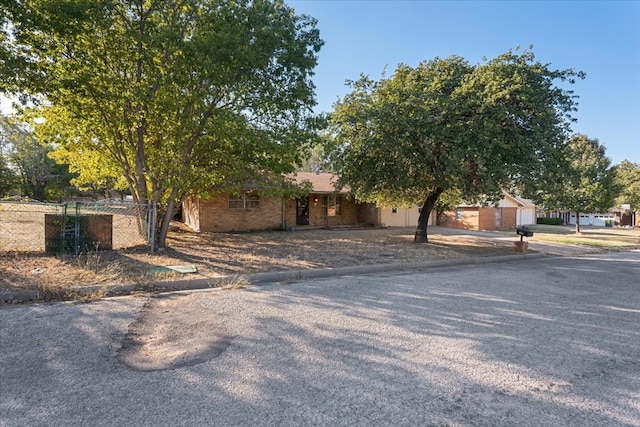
[(236, 281), (217, 254)]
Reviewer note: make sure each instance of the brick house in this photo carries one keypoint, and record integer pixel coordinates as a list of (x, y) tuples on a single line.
[(324, 206), (510, 212)]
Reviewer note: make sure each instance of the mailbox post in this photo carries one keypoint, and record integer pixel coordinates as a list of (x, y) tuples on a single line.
[(520, 245)]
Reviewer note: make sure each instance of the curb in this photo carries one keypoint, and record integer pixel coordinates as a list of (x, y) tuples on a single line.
[(267, 278)]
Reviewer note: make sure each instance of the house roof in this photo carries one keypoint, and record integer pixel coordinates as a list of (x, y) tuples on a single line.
[(520, 200), (321, 182)]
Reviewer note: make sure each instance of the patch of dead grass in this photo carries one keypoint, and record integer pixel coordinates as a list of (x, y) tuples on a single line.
[(222, 254)]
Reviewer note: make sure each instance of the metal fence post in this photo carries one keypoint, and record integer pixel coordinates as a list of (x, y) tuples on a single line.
[(152, 226), (63, 229), (76, 231)]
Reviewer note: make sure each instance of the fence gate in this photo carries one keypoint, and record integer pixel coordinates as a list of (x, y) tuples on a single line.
[(73, 227)]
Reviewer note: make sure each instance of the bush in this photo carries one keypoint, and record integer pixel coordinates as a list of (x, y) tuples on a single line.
[(608, 223), (550, 221)]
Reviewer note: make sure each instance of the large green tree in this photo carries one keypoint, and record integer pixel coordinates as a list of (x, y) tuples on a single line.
[(583, 180), (181, 95), (628, 181), (446, 125), (39, 176), (8, 178), (94, 171)]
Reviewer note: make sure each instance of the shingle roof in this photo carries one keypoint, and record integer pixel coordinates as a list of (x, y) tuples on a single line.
[(322, 182), (520, 200)]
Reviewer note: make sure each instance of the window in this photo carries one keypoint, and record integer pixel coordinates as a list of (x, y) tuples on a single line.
[(459, 214), (334, 205), (248, 200), (394, 210)]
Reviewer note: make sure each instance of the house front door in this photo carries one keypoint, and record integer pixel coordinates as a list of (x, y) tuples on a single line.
[(302, 210)]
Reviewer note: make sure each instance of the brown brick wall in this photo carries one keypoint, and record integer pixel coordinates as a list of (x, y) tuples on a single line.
[(290, 212), (509, 218), (216, 216), (481, 218), (468, 222), (488, 218), (348, 215), (316, 211)]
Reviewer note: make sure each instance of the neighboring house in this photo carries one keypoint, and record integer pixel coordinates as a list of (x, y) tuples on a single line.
[(323, 206), (625, 217), (615, 218), (597, 219), (510, 212)]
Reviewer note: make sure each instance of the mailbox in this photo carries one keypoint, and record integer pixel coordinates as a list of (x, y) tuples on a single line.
[(521, 246), (523, 232)]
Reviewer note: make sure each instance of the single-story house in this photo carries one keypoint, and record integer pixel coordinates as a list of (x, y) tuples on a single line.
[(618, 217), (326, 206), (509, 213), (249, 210)]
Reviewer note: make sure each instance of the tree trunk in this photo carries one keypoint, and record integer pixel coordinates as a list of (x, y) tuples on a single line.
[(165, 220), (577, 222), (38, 190), (423, 219)]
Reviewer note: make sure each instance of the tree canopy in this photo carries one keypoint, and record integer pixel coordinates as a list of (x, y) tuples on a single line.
[(584, 181), (8, 177), (28, 164), (628, 181), (446, 125), (178, 95)]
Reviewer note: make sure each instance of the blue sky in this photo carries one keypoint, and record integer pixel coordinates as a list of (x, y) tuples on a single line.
[(600, 38)]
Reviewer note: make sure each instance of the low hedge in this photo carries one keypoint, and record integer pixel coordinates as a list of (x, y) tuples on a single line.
[(550, 221)]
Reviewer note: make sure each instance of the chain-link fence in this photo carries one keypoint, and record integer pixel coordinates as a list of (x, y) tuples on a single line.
[(73, 227)]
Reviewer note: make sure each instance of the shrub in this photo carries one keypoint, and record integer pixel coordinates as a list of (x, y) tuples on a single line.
[(550, 221), (608, 223)]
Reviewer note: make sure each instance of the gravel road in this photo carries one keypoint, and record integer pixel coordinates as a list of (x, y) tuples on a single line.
[(553, 341)]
